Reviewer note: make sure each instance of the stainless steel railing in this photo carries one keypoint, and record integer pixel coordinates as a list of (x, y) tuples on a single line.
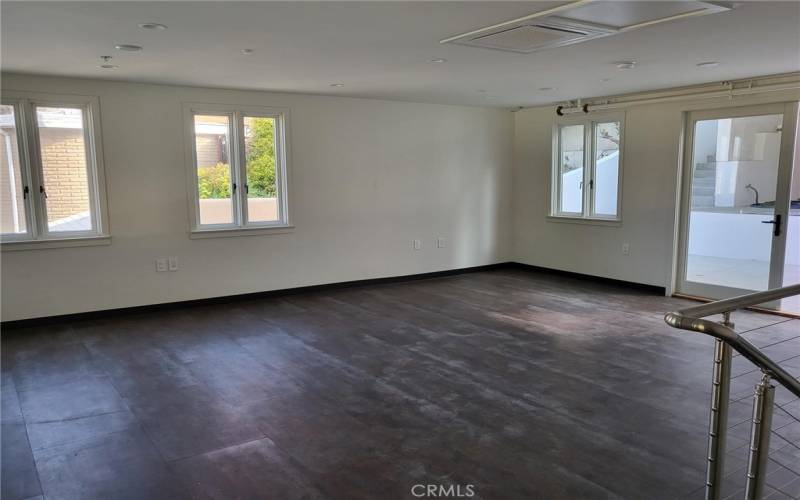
[(727, 340)]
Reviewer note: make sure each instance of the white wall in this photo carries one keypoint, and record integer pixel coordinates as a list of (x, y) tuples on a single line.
[(705, 141), (649, 193), (368, 176), (607, 172), (740, 236)]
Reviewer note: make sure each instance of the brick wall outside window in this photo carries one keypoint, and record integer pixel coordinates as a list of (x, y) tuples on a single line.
[(65, 176)]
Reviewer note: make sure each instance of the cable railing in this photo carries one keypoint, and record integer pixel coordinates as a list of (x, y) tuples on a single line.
[(757, 465)]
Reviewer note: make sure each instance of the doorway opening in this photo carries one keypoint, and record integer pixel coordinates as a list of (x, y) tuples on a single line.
[(740, 230)]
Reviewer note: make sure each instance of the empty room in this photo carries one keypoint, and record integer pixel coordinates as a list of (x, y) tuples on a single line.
[(358, 250)]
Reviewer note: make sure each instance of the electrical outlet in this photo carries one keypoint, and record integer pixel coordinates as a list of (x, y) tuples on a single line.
[(173, 263), (441, 242), (417, 244), (161, 265), (626, 249)]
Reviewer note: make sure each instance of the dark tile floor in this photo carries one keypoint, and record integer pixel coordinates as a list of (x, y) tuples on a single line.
[(520, 384)]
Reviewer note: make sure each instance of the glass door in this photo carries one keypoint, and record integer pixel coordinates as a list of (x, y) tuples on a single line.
[(736, 200)]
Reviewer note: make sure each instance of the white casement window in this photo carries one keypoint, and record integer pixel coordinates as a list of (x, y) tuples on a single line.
[(238, 169), (587, 168), (52, 187)]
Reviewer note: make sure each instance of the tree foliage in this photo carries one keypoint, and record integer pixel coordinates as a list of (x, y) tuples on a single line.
[(261, 158), (215, 182)]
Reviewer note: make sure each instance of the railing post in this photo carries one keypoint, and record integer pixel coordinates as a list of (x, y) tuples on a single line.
[(718, 418), (760, 430)]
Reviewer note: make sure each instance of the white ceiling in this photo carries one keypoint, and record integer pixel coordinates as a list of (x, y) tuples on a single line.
[(382, 49)]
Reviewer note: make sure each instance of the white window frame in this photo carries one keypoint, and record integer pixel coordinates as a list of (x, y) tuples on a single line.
[(587, 214), (241, 225), (38, 234)]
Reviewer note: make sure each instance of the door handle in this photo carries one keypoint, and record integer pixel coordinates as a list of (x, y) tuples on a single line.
[(777, 222)]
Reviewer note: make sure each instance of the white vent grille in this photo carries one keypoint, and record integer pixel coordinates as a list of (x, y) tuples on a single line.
[(545, 30), (529, 37)]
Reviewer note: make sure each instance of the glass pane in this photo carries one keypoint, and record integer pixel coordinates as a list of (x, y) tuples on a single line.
[(12, 201), (259, 148), (791, 263), (62, 146), (734, 179), (212, 153), (606, 171), (571, 168)]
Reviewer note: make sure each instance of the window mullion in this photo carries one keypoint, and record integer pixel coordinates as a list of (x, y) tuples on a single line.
[(37, 192), (556, 173), (280, 181), (236, 184), (91, 170), (26, 181), (586, 211), (590, 165), (241, 170)]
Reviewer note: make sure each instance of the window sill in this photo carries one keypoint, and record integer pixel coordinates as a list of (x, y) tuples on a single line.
[(584, 220), (240, 231), (89, 241)]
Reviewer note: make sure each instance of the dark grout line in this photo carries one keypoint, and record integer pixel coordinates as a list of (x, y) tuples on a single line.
[(28, 439)]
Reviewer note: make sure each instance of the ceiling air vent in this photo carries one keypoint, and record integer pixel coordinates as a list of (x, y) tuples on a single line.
[(531, 36), (580, 21)]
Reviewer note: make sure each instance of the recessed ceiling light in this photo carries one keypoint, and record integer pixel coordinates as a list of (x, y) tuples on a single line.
[(625, 64), (108, 66), (128, 47), (247, 52), (152, 26), (437, 60), (337, 84), (708, 64), (544, 89)]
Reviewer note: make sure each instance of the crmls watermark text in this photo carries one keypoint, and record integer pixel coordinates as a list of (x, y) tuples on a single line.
[(442, 491)]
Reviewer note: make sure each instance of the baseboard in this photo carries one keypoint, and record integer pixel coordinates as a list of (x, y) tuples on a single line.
[(660, 290), (89, 315)]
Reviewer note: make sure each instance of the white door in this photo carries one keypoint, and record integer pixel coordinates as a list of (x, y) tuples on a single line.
[(737, 193)]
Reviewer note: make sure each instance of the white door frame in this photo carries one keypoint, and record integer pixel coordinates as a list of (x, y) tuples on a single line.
[(782, 202)]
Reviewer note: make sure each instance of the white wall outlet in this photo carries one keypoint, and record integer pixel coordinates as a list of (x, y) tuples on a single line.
[(161, 265), (417, 244), (441, 242), (626, 249), (173, 263)]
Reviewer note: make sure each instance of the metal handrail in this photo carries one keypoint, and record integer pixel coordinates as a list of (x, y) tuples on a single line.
[(691, 319), (740, 302), (727, 340)]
